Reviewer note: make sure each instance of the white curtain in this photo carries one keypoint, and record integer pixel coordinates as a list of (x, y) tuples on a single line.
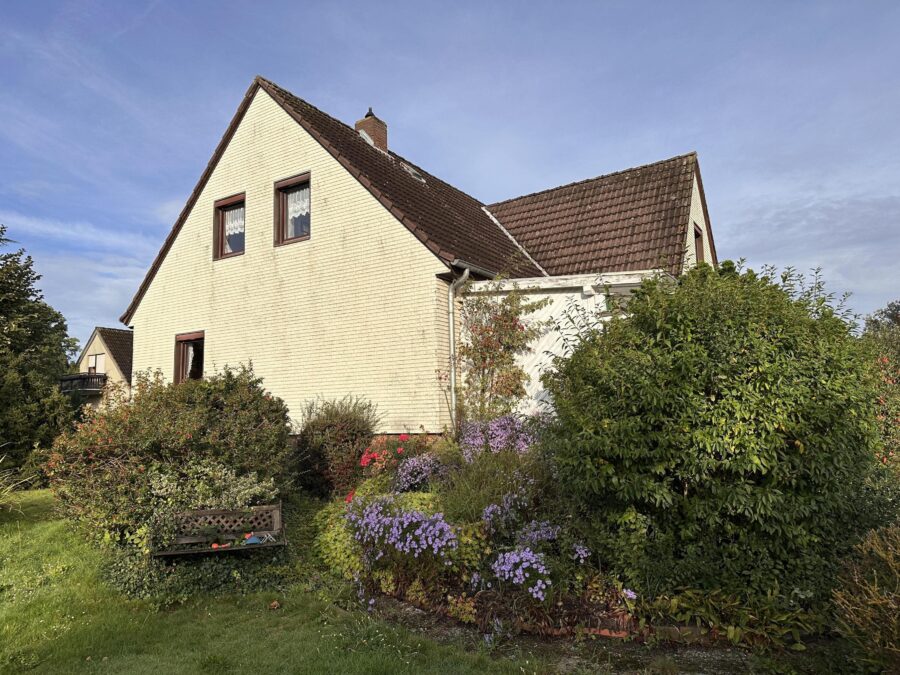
[(298, 212), (234, 221), (189, 359)]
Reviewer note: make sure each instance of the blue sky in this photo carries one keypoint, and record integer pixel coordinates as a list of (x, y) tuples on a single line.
[(110, 111)]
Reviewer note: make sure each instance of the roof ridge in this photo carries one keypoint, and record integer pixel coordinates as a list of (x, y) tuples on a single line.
[(121, 330), (692, 153)]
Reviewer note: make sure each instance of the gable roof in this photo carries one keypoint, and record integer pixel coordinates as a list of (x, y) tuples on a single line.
[(450, 223), (119, 343), (625, 221), (634, 219)]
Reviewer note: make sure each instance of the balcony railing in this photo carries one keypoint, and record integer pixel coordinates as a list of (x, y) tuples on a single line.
[(84, 383)]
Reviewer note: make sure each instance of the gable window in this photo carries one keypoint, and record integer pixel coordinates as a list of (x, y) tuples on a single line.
[(96, 363), (189, 356), (292, 209), (698, 244), (228, 232)]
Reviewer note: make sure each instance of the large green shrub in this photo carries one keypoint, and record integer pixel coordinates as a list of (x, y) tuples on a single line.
[(719, 437), (126, 470), (868, 598), (333, 437)]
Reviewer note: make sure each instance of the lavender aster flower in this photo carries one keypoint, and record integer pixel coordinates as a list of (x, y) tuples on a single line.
[(503, 433), (379, 527), (537, 531), (580, 553), (415, 472), (523, 567)]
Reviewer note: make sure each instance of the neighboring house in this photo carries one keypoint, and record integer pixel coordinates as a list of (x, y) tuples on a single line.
[(328, 261), (105, 360)]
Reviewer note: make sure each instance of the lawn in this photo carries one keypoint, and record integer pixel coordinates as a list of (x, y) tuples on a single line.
[(57, 615)]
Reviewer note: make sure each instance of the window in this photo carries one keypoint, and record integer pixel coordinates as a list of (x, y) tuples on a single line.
[(96, 363), (698, 244), (292, 209), (228, 233), (189, 356)]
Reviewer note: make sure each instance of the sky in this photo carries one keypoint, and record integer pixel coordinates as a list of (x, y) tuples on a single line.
[(110, 111)]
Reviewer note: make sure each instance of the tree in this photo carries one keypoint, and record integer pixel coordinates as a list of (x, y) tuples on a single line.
[(495, 332), (34, 353), (721, 436)]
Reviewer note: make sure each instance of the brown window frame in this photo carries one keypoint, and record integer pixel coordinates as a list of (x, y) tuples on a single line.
[(220, 206), (181, 339), (698, 245), (281, 188)]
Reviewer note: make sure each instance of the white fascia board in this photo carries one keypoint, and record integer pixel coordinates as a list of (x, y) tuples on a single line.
[(615, 281)]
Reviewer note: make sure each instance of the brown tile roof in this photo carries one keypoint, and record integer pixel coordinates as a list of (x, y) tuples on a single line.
[(119, 342), (630, 220)]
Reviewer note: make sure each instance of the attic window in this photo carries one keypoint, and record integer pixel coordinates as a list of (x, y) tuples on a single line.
[(292, 209), (412, 171), (229, 227)]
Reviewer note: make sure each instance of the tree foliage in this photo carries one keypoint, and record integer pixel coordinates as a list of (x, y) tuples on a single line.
[(720, 436), (34, 353), (496, 330)]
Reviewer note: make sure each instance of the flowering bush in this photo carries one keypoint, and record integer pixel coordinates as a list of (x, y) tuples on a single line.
[(523, 567), (415, 472), (507, 433), (380, 528), (538, 531)]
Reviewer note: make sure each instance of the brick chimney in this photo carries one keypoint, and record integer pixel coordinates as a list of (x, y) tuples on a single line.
[(375, 129)]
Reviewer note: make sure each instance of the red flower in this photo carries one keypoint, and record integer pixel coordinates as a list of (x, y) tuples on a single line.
[(404, 438), (399, 451), (350, 495)]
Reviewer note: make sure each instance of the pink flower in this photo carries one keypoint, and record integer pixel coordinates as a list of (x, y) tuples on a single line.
[(404, 438), (399, 451)]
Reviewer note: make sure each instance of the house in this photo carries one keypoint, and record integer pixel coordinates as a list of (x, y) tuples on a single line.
[(311, 250), (104, 361)]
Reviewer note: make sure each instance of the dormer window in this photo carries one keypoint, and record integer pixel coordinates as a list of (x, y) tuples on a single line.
[(292, 210), (228, 232)]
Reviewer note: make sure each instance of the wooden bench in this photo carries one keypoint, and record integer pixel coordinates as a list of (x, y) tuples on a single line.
[(220, 530)]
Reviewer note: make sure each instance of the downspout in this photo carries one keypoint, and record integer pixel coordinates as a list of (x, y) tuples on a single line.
[(451, 309)]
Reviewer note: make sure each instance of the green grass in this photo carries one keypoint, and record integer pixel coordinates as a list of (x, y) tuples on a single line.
[(56, 615)]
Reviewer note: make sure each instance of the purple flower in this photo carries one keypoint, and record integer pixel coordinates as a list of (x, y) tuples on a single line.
[(537, 531), (523, 567), (629, 594), (580, 553), (503, 433), (501, 516), (379, 527), (415, 472)]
